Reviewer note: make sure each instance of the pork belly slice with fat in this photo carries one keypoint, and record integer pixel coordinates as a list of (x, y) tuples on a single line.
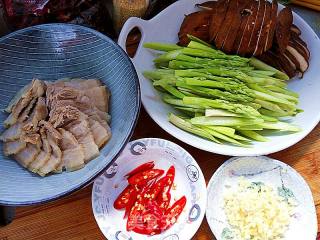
[(100, 134), (27, 155), (72, 152), (81, 131), (13, 147), (78, 83), (55, 159), (34, 90), (99, 97), (40, 112), (44, 154), (12, 133)]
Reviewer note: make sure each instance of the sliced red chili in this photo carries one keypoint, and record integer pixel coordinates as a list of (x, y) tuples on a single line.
[(164, 200), (164, 197), (124, 197), (135, 215), (142, 178), (140, 168), (172, 213)]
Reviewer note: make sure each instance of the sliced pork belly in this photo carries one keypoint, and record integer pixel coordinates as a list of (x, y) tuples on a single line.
[(13, 147), (79, 83), (27, 155), (40, 112), (72, 151), (99, 97), (44, 154), (100, 134), (81, 131), (56, 154), (35, 90), (12, 133)]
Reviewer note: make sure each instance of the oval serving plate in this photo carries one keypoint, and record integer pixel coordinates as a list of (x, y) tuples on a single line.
[(273, 173), (189, 181), (164, 28)]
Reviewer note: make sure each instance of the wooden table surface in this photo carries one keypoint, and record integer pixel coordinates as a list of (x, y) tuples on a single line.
[(71, 217)]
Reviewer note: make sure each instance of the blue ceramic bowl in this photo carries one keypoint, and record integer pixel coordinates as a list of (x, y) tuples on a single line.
[(51, 52)]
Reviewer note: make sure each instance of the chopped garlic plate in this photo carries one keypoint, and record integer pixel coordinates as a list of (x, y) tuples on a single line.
[(258, 198)]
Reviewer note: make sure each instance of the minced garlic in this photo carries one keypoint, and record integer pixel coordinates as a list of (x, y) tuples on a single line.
[(256, 211)]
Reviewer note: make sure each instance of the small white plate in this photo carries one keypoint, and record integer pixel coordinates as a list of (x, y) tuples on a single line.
[(273, 173), (189, 181)]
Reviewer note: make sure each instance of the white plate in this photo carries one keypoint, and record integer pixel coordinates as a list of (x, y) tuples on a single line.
[(273, 173), (189, 181), (164, 28)]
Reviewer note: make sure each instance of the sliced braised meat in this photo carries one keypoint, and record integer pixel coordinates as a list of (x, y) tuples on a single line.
[(56, 153), (303, 63), (40, 112), (30, 137), (44, 154), (27, 111), (295, 29), (228, 43), (217, 18), (243, 46), (269, 58), (284, 22), (303, 45), (273, 23), (13, 147), (196, 24), (245, 14), (292, 59), (81, 131), (72, 151), (262, 39), (78, 83), (289, 69), (27, 155), (257, 27), (226, 24), (34, 90), (99, 97), (12, 133), (100, 134), (210, 5)]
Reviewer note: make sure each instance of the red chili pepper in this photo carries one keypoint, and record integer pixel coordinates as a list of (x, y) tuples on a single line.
[(172, 214), (132, 200), (164, 200), (140, 168), (142, 178), (164, 197), (135, 214), (124, 197)]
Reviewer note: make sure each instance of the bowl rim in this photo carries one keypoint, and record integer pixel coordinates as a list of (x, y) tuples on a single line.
[(126, 139), (220, 148)]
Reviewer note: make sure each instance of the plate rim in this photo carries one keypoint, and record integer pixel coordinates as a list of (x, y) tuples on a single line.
[(124, 142)]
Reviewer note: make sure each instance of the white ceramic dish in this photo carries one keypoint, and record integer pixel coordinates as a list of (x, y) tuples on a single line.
[(273, 173), (164, 28), (189, 181)]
